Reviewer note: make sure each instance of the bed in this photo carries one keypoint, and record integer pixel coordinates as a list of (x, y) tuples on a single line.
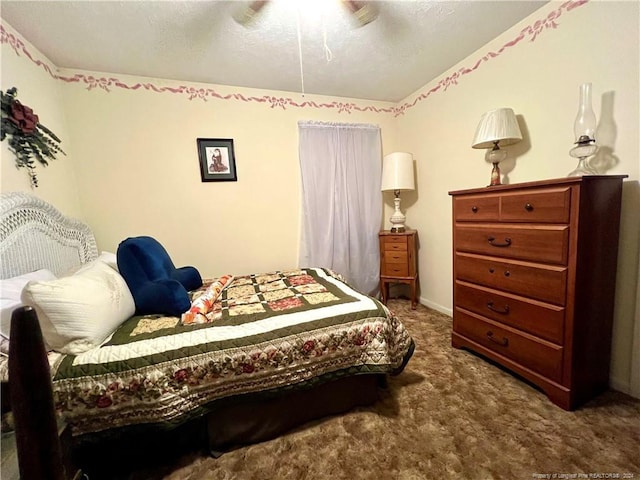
[(281, 348)]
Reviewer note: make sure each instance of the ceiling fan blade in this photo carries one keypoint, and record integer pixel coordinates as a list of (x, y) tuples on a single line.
[(363, 12), (248, 14)]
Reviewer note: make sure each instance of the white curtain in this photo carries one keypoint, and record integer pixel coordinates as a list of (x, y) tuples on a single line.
[(341, 201)]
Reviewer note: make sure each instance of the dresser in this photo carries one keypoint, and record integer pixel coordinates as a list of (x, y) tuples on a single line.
[(534, 271), (398, 262)]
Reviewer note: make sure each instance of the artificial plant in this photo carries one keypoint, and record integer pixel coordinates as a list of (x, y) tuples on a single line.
[(29, 140)]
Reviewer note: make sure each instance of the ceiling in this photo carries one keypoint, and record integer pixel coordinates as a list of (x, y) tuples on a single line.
[(409, 44)]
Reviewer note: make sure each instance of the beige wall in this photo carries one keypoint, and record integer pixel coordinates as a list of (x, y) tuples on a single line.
[(539, 78), (138, 170), (134, 152), (40, 91)]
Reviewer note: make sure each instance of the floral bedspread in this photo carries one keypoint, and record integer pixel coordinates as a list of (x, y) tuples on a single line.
[(267, 331)]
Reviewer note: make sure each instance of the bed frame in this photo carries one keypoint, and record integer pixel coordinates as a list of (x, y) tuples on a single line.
[(36, 235)]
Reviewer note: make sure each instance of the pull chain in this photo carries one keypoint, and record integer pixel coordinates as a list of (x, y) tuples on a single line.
[(327, 51), (300, 50)]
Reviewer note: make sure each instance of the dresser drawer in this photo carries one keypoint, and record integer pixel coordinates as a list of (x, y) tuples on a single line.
[(476, 208), (547, 243), (542, 282), (537, 355), (551, 205), (541, 319)]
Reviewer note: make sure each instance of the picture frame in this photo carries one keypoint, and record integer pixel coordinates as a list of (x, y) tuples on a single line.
[(217, 160)]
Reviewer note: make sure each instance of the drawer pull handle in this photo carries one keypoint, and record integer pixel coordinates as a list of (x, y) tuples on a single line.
[(504, 342), (492, 242), (491, 270), (528, 207), (504, 310), (474, 209), (507, 273)]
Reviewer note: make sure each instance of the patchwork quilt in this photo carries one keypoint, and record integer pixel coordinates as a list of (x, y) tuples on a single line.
[(263, 333)]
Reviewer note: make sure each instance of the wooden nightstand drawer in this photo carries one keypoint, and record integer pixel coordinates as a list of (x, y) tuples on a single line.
[(537, 206), (395, 270), (395, 242), (395, 247), (541, 319), (538, 355), (542, 282), (396, 257), (476, 208), (548, 243)]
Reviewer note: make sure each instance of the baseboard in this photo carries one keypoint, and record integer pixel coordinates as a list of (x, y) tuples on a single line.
[(621, 386), (437, 307)]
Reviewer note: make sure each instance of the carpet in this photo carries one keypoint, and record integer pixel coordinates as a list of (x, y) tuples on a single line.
[(450, 414)]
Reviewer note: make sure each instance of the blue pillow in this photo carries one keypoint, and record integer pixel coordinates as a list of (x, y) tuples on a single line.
[(156, 285)]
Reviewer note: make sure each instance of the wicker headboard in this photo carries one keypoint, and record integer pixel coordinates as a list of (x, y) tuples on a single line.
[(35, 235)]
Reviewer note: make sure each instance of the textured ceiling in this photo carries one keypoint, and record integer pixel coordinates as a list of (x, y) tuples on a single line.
[(408, 45)]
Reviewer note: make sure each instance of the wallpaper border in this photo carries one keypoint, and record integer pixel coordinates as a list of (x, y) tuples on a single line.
[(106, 83)]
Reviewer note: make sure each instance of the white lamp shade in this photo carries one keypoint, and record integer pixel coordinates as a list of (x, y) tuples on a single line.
[(498, 125), (397, 172)]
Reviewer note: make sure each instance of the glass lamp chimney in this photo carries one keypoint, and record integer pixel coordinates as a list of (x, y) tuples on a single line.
[(585, 124)]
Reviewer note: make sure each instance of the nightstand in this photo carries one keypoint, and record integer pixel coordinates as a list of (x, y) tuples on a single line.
[(398, 262)]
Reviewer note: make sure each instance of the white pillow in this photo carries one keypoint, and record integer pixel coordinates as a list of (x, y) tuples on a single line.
[(10, 293), (110, 259), (105, 257), (79, 312)]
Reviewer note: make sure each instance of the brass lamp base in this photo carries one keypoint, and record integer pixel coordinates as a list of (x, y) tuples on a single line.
[(495, 156), (495, 175)]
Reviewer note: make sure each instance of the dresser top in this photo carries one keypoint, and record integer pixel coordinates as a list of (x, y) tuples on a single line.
[(540, 183)]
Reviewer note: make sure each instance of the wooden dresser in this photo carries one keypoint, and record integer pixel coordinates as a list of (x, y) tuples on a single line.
[(534, 280), (398, 262)]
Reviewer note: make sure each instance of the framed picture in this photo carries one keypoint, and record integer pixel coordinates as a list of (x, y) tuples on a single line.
[(217, 160)]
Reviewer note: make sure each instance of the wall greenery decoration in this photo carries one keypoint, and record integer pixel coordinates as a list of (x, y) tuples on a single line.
[(29, 140)]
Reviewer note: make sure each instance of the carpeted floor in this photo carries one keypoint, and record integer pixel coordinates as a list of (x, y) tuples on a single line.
[(450, 414)]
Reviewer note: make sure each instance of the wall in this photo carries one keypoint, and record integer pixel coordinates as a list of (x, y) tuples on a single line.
[(39, 90), (138, 170), (535, 69)]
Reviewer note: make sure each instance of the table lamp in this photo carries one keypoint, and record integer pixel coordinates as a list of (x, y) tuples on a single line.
[(497, 128), (397, 175)]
